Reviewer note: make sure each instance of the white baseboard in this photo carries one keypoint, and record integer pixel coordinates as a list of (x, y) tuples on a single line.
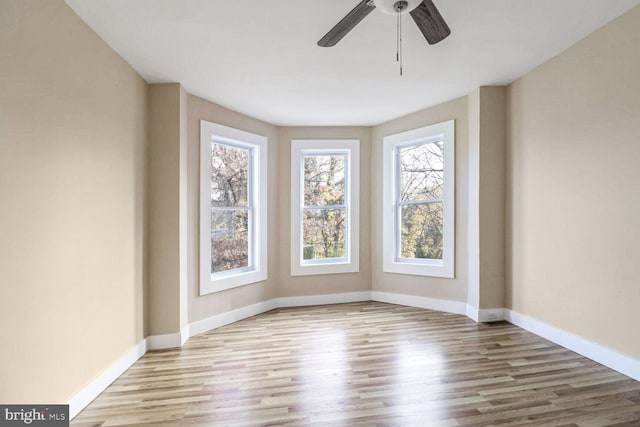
[(228, 317), (456, 307), (232, 316), (485, 314), (301, 301), (78, 402), (159, 342), (622, 363)]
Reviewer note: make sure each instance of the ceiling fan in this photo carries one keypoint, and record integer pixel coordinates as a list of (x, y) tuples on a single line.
[(424, 13)]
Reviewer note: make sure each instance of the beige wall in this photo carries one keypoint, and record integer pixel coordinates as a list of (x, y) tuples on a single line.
[(574, 176), (72, 176), (486, 214), (431, 287), (166, 300), (493, 142), (332, 283), (202, 307)]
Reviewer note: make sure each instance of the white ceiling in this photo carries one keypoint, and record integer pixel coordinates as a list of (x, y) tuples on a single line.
[(260, 58)]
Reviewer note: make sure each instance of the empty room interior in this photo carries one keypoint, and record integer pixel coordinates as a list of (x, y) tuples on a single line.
[(331, 212)]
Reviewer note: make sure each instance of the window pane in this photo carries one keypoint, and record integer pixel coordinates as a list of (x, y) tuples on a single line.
[(421, 172), (229, 240), (421, 231), (324, 180), (324, 233), (229, 175)]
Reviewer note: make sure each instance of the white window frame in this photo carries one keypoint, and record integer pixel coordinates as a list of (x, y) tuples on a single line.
[(392, 262), (351, 262), (257, 270)]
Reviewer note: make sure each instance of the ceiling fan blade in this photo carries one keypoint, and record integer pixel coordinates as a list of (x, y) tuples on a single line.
[(430, 22), (346, 24)]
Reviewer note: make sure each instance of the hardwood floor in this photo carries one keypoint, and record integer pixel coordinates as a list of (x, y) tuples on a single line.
[(366, 364)]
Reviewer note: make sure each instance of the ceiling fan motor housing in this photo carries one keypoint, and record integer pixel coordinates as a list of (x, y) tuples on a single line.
[(393, 7)]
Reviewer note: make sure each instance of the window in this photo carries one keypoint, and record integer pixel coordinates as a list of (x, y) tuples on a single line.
[(233, 227), (324, 206), (418, 197)]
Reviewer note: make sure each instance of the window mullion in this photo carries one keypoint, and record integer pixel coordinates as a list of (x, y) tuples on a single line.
[(231, 208), (420, 202), (323, 207)]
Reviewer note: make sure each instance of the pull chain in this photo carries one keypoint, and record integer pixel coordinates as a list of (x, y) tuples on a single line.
[(400, 20), (397, 36), (399, 40)]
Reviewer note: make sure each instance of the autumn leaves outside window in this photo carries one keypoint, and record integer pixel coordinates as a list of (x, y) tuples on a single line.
[(231, 207), (324, 219), (420, 207)]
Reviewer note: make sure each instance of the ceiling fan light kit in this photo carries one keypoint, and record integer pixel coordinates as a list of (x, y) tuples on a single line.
[(424, 13), (392, 7)]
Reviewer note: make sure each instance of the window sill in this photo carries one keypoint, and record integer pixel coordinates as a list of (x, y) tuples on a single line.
[(229, 281), (419, 269), (324, 268)]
